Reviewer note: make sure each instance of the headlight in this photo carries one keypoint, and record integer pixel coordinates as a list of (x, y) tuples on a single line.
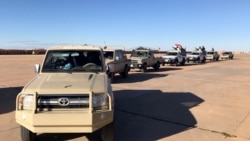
[(25, 102), (99, 100)]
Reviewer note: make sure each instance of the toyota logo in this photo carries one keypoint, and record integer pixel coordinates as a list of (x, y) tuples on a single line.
[(63, 101)]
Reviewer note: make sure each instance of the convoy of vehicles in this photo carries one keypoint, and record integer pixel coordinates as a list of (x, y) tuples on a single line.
[(70, 94), (116, 62), (143, 58), (176, 56)]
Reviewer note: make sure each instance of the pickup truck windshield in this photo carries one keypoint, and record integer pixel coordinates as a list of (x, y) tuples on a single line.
[(195, 53), (210, 53), (225, 53), (108, 54), (73, 61), (171, 53), (139, 54)]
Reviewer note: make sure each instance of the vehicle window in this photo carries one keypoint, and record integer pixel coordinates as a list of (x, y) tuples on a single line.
[(171, 53), (139, 53), (210, 53), (195, 53), (71, 60), (108, 54), (119, 54)]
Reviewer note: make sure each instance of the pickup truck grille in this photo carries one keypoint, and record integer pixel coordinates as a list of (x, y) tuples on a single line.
[(134, 61), (59, 102)]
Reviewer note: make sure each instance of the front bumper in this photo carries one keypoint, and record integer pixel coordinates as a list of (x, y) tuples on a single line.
[(133, 66), (168, 61), (64, 122), (192, 58)]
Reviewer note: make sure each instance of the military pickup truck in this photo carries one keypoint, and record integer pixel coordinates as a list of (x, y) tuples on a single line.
[(70, 94), (212, 56), (197, 56), (227, 55), (116, 62), (143, 58), (176, 56)]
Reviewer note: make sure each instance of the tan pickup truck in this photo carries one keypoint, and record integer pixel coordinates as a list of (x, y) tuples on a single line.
[(116, 62), (70, 94), (144, 58)]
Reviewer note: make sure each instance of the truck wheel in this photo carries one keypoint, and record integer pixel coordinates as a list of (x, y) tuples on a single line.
[(204, 60), (27, 135), (176, 62), (183, 62), (112, 77), (157, 66), (144, 68), (198, 60), (125, 73), (107, 132)]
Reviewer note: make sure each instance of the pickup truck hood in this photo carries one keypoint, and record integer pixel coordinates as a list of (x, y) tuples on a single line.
[(193, 56), (168, 57), (67, 83), (138, 58)]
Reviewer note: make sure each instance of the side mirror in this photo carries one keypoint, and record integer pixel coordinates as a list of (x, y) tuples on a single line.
[(37, 68)]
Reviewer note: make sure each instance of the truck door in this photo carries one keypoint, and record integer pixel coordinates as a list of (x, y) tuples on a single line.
[(119, 65), (150, 59)]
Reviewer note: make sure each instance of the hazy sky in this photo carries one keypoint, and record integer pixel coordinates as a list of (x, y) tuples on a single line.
[(221, 24)]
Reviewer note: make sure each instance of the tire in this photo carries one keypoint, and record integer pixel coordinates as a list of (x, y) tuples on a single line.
[(124, 74), (27, 135), (198, 60), (107, 132), (176, 62), (183, 62), (144, 68), (157, 66), (204, 60), (112, 77)]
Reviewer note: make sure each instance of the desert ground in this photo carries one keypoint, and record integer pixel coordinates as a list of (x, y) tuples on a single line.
[(195, 102)]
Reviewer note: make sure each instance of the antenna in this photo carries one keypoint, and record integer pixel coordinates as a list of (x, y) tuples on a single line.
[(105, 45)]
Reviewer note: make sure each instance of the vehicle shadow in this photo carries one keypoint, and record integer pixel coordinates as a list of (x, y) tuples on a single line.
[(161, 69), (144, 115), (137, 77), (8, 99), (152, 115)]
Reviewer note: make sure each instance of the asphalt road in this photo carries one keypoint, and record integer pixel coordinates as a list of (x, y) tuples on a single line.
[(194, 102)]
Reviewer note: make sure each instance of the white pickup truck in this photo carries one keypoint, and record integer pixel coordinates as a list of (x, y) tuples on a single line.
[(197, 56), (175, 57)]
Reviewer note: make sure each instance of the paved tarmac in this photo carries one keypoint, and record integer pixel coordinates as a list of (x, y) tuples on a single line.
[(196, 102)]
